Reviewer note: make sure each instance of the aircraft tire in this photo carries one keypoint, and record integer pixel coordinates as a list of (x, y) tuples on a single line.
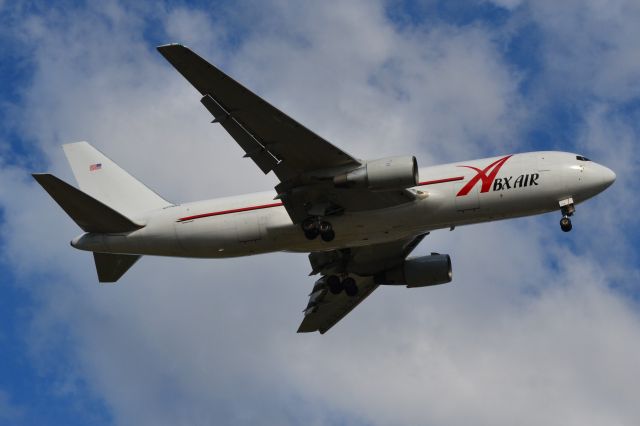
[(565, 224), (309, 224), (350, 286), (334, 284), (328, 235), (325, 227), (311, 234)]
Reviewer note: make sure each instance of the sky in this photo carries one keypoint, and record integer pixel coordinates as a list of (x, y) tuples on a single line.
[(537, 327)]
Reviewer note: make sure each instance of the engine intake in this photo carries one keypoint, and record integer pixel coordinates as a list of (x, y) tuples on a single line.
[(382, 175), (419, 272)]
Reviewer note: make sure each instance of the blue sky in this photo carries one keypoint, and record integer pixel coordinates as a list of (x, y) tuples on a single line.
[(550, 330)]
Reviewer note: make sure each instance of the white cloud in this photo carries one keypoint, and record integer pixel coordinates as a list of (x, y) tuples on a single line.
[(423, 88), (591, 46), (515, 338), (191, 28)]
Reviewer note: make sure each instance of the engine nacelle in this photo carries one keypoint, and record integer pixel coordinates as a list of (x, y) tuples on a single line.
[(382, 175), (419, 272)]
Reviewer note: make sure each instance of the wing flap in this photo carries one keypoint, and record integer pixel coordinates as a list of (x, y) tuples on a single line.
[(326, 309), (252, 147)]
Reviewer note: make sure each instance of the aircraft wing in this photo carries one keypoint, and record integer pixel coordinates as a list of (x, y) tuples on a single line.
[(325, 309), (304, 162), (271, 138)]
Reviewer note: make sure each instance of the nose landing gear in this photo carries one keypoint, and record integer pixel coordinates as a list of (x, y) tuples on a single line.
[(565, 224), (313, 227), (567, 208)]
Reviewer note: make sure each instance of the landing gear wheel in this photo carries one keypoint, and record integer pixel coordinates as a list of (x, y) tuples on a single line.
[(334, 284), (311, 234), (567, 208), (565, 224), (325, 227), (310, 228), (350, 286), (328, 236), (326, 231), (309, 224)]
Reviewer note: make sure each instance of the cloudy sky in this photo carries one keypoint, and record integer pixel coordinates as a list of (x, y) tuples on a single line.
[(538, 326)]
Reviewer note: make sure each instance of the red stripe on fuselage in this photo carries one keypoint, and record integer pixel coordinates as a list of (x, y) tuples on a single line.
[(433, 182), (221, 212), (266, 206)]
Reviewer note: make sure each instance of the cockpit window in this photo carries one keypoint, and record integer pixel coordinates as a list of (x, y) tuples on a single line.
[(581, 158)]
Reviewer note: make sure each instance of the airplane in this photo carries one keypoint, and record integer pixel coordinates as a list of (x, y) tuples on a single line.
[(358, 220)]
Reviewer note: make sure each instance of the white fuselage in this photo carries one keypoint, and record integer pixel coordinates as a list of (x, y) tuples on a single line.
[(448, 195)]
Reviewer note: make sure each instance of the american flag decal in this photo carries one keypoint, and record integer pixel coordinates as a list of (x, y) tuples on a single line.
[(94, 167)]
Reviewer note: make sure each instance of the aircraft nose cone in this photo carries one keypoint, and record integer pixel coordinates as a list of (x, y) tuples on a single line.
[(608, 176), (600, 178)]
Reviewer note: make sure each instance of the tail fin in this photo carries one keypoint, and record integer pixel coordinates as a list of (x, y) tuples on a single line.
[(111, 267), (90, 214), (102, 179)]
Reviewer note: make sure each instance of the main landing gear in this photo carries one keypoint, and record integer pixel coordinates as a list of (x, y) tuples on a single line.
[(567, 208), (313, 227), (336, 285)]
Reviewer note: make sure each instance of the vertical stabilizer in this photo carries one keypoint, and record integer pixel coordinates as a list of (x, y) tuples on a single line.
[(105, 181)]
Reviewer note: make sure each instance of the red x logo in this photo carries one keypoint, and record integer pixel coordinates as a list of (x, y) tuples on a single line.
[(487, 180)]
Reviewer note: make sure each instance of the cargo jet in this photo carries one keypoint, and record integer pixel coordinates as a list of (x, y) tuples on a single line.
[(359, 220)]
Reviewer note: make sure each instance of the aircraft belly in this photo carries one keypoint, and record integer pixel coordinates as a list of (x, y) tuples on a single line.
[(206, 236), (364, 228), (231, 235)]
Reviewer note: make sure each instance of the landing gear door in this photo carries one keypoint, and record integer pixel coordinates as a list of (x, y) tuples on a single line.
[(468, 202)]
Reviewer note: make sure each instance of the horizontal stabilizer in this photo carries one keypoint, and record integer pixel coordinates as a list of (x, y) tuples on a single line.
[(90, 214), (111, 267)]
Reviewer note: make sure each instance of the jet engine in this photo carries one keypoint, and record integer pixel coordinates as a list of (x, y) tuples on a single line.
[(382, 175), (419, 272)]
